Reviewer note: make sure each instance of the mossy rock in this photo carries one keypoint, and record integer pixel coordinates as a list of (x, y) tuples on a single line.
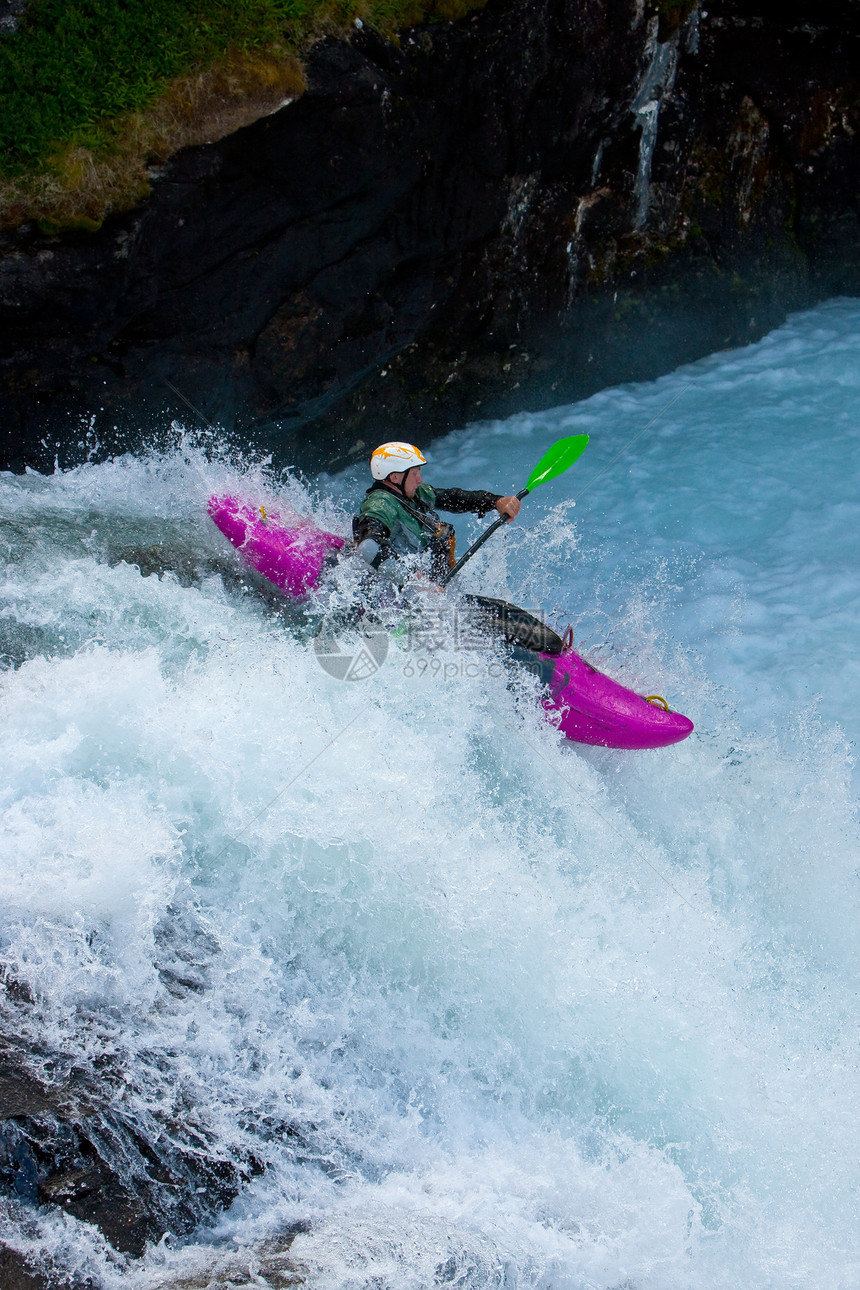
[(73, 224)]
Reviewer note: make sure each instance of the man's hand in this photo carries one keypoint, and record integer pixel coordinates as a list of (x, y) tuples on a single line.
[(509, 506)]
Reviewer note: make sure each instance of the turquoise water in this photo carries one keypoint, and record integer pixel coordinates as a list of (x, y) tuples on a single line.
[(492, 1010)]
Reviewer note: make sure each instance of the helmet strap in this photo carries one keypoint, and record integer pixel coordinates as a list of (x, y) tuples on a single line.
[(396, 488)]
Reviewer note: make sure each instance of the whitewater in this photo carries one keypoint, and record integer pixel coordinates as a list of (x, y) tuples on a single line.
[(465, 1004)]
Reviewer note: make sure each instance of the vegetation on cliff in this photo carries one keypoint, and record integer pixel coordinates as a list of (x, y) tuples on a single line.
[(96, 93)]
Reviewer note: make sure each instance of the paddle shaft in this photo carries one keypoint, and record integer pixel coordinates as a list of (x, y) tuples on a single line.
[(476, 546)]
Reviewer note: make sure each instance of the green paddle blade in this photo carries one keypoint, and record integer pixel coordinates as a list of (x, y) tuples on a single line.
[(560, 456)]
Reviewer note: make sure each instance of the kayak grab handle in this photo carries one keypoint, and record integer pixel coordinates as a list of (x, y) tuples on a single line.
[(658, 701)]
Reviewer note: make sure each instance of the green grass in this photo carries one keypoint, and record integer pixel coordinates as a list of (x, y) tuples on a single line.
[(76, 71), (73, 65)]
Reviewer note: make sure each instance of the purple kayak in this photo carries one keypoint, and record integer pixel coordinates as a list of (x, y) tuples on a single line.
[(290, 557), (590, 708), (587, 706)]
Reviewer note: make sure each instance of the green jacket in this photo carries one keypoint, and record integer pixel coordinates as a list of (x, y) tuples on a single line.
[(405, 532), (387, 526)]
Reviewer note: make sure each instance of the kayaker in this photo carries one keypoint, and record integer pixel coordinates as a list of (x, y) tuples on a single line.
[(398, 515)]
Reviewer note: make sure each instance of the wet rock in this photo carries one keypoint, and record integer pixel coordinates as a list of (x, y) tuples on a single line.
[(161, 558), (268, 1263), (18, 642), (17, 1274), (70, 1142), (511, 210), (11, 12)]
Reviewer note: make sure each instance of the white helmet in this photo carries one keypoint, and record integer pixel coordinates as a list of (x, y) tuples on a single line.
[(389, 457)]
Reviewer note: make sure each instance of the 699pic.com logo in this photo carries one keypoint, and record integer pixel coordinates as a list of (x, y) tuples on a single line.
[(354, 655)]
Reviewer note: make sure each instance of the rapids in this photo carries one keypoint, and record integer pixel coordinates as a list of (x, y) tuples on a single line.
[(468, 1005)]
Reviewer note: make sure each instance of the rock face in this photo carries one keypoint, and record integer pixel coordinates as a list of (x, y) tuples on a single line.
[(70, 1145), (510, 211)]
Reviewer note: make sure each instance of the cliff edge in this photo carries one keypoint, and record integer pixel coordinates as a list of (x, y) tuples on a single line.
[(510, 210)]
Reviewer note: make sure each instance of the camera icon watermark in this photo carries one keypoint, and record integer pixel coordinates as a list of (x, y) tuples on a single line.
[(351, 656)]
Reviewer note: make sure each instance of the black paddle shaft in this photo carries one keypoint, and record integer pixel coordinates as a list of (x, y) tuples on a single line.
[(476, 546)]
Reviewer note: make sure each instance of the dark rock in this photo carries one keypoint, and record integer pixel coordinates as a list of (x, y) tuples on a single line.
[(512, 210), (17, 1274), (70, 1141), (11, 12)]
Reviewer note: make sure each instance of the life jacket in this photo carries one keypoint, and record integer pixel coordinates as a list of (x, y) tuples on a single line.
[(412, 523)]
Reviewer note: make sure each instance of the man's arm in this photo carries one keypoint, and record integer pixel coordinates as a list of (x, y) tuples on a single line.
[(371, 539), (479, 502), (459, 501)]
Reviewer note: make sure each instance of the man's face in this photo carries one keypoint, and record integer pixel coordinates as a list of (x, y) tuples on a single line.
[(412, 480), (408, 480)]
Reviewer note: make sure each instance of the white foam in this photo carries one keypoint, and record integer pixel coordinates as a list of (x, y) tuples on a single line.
[(491, 1009)]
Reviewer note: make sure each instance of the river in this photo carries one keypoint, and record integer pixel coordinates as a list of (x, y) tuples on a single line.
[(483, 1008)]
